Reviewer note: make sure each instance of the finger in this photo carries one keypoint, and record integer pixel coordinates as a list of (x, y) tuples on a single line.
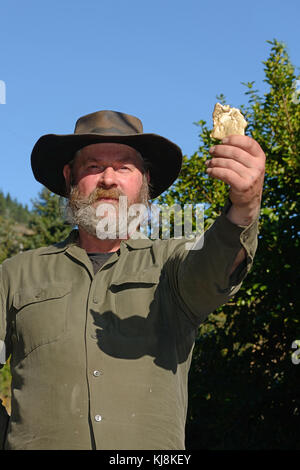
[(246, 143), (230, 164), (230, 177), (227, 151)]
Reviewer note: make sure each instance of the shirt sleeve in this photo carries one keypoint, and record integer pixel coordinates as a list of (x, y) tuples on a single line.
[(4, 353), (200, 277)]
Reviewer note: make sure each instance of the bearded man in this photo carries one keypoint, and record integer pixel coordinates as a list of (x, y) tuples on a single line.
[(101, 327)]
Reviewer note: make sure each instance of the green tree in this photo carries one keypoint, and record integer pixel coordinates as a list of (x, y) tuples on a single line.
[(244, 390), (47, 221), (12, 209), (10, 238)]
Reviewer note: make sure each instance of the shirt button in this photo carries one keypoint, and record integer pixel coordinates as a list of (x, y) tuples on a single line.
[(98, 418), (95, 301), (96, 373)]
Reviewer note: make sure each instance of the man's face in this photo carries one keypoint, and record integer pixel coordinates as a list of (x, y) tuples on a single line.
[(110, 167), (101, 173)]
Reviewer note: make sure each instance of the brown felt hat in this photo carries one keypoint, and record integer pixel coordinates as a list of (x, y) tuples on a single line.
[(52, 151)]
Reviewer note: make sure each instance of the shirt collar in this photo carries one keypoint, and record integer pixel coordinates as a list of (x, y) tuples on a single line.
[(71, 240), (61, 246), (138, 243)]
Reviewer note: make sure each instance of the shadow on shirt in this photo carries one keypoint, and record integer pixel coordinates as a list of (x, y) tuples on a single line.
[(134, 337)]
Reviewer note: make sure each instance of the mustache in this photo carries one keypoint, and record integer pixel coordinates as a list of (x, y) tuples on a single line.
[(97, 193)]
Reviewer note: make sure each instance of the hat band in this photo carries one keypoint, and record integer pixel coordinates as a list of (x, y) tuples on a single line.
[(106, 131)]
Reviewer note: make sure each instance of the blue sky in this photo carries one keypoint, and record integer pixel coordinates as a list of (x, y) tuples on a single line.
[(161, 60)]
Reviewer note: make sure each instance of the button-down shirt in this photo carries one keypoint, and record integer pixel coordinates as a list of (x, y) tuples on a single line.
[(101, 360)]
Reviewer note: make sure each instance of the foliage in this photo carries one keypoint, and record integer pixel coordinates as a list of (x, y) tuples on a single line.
[(10, 239), (12, 209), (46, 223), (244, 392), (5, 377)]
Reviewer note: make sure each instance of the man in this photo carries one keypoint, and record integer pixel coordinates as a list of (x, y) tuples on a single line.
[(101, 330)]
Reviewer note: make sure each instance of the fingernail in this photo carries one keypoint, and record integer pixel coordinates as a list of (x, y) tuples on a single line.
[(211, 150), (225, 140)]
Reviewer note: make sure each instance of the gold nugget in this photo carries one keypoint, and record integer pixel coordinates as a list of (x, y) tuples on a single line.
[(227, 121)]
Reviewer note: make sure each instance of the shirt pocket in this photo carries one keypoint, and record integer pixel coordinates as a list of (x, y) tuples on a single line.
[(41, 314), (135, 292)]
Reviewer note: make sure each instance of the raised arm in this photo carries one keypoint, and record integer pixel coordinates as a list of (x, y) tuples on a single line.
[(240, 162), (205, 278)]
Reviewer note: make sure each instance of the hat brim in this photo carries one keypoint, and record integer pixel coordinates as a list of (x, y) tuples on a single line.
[(53, 151)]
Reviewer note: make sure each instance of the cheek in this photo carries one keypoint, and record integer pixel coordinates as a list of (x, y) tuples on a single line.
[(86, 184), (133, 185)]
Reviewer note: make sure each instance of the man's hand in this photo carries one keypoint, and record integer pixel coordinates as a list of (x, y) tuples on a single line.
[(240, 162)]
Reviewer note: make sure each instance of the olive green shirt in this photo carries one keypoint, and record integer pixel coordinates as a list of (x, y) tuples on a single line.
[(101, 361)]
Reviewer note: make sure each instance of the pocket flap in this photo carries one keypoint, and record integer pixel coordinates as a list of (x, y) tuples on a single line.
[(40, 293), (146, 276)]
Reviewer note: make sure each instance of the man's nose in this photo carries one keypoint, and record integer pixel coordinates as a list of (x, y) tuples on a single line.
[(107, 177)]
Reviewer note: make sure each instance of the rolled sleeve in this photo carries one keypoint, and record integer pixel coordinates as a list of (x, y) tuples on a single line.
[(201, 280)]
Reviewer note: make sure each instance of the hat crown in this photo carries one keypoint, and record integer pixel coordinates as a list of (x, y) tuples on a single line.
[(109, 123)]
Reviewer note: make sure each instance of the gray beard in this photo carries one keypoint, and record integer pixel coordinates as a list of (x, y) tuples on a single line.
[(107, 221)]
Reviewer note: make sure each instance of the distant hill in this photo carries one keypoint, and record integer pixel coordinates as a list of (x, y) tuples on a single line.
[(13, 210)]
